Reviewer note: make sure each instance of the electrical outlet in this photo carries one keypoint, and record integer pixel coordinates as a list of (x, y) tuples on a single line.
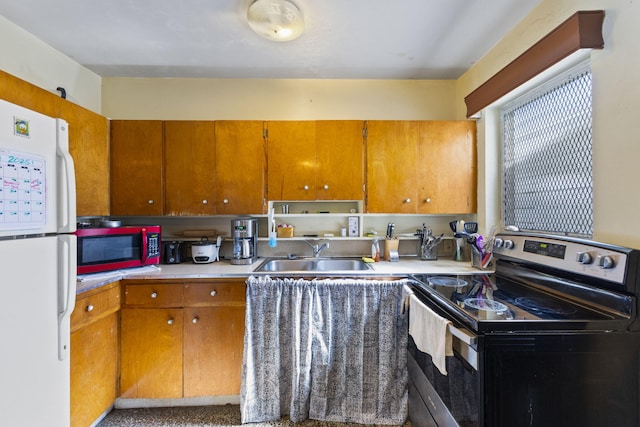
[(447, 246)]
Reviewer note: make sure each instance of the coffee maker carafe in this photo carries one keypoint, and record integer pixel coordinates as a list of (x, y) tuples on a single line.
[(245, 240)]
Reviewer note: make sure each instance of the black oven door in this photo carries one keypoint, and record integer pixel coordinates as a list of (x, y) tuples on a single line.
[(444, 400)]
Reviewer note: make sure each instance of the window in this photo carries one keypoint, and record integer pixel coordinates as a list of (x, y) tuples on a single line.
[(547, 156)]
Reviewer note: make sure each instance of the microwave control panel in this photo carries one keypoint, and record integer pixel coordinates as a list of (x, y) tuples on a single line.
[(153, 245)]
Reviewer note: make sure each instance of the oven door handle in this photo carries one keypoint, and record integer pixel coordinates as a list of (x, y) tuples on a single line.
[(463, 335)]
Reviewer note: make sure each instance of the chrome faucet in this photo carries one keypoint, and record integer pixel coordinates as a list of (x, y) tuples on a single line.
[(317, 249)]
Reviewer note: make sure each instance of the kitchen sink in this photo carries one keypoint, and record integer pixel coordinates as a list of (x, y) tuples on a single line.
[(312, 264)]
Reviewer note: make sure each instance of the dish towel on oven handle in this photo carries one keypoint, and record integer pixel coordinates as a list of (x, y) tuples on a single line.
[(430, 332)]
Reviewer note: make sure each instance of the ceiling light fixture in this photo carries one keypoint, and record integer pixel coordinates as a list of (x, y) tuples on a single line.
[(276, 20)]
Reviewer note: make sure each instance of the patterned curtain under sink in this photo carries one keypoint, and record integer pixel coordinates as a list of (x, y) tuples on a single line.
[(325, 349)]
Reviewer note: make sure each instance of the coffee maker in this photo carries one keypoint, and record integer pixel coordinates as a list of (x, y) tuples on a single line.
[(245, 240)]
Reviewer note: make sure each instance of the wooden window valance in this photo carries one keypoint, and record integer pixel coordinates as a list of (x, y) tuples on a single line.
[(583, 30)]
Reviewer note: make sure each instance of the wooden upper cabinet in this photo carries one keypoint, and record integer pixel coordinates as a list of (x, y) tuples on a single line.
[(392, 149), (448, 176), (240, 167), (291, 174), (89, 148), (136, 167), (315, 160), (88, 140), (190, 164), (340, 160)]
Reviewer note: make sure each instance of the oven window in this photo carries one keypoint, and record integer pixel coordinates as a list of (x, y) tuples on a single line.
[(106, 249)]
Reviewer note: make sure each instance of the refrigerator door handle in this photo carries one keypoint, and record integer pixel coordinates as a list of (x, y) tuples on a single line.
[(67, 261), (66, 181)]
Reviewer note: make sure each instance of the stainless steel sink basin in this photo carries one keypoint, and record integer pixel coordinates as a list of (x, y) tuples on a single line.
[(313, 264)]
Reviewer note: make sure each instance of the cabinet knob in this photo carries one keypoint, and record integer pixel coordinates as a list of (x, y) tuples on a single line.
[(150, 201), (154, 295), (427, 200), (170, 321), (306, 187), (89, 308), (407, 200), (213, 293), (225, 201), (195, 320), (204, 201), (326, 187)]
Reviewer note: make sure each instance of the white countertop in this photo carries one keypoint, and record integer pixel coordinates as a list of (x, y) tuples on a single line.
[(224, 268)]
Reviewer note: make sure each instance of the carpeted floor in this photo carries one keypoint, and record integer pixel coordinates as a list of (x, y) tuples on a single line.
[(197, 416)]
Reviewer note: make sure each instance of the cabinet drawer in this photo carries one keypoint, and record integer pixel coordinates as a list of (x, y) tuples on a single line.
[(95, 305), (153, 295), (210, 294)]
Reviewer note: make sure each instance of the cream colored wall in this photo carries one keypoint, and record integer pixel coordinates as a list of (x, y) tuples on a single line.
[(286, 99), (28, 58), (616, 108)]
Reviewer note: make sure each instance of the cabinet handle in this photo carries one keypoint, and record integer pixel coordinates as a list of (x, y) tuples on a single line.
[(204, 202), (427, 200), (306, 187), (195, 320), (326, 187), (170, 321), (407, 200), (150, 201), (213, 293), (154, 295), (89, 308), (225, 201)]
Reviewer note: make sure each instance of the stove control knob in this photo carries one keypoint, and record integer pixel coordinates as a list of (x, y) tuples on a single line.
[(584, 258), (498, 242), (605, 261), (509, 244)]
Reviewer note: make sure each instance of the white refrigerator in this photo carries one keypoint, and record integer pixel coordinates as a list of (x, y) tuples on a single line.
[(37, 267)]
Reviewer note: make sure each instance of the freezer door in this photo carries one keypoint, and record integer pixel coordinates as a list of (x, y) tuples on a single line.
[(35, 313), (37, 178)]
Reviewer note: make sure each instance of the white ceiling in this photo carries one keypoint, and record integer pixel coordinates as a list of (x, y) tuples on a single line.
[(343, 39)]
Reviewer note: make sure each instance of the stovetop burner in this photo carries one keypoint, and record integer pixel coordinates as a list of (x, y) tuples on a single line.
[(544, 306)]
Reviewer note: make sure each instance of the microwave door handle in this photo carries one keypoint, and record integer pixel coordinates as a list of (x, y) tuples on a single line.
[(145, 244)]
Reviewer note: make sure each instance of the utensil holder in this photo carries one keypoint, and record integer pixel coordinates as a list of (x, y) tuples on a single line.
[(481, 261), (427, 253)]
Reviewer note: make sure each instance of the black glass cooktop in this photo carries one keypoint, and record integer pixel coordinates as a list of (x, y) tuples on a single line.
[(481, 298)]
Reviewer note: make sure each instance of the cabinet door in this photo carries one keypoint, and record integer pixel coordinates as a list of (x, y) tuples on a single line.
[(240, 167), (136, 167), (213, 344), (340, 158), (94, 370), (391, 166), (448, 180), (89, 147), (291, 173), (88, 140), (151, 353), (189, 177)]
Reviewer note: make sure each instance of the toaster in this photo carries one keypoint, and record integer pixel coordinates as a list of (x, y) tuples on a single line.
[(173, 252)]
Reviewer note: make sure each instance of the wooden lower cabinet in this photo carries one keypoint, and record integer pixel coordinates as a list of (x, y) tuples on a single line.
[(213, 351), (94, 354), (182, 339)]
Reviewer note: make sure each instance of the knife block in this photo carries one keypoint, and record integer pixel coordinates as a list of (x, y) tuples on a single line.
[(391, 249)]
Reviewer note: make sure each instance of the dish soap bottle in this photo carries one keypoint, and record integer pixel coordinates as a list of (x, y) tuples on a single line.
[(375, 248), (273, 233)]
